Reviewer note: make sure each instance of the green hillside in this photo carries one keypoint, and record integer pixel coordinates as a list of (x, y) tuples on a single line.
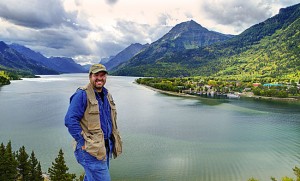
[(4, 79), (268, 49), (7, 74), (274, 56)]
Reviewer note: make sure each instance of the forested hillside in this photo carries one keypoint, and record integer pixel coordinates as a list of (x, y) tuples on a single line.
[(270, 48), (274, 56)]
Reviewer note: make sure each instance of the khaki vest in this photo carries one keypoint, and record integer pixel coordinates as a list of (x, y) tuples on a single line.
[(91, 127)]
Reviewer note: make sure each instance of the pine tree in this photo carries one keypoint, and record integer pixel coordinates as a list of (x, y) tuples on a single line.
[(24, 165), (2, 162), (10, 163), (58, 171), (35, 173), (297, 173), (39, 175)]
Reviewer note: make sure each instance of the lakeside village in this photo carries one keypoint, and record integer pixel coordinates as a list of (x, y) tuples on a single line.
[(222, 88)]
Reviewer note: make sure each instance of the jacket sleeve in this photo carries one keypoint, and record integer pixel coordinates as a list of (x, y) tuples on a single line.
[(78, 104)]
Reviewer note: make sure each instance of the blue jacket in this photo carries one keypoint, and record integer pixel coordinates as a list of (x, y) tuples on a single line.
[(77, 107)]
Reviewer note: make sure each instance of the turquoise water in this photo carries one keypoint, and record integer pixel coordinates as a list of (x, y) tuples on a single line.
[(165, 137)]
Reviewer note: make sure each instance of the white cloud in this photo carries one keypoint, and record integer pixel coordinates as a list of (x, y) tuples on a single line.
[(235, 13)]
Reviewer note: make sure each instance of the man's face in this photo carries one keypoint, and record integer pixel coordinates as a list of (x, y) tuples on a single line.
[(98, 80)]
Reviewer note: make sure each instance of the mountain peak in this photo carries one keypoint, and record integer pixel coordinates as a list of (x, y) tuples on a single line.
[(193, 23), (3, 46), (184, 36), (188, 26), (290, 8), (189, 35)]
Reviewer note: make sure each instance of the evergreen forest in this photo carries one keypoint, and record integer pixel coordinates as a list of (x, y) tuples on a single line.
[(22, 166)]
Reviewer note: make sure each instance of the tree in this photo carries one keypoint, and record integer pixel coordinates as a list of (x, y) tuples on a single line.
[(58, 170), (10, 164), (285, 178), (39, 175), (252, 179), (2, 162), (293, 90), (35, 172), (23, 164), (297, 173), (4, 79)]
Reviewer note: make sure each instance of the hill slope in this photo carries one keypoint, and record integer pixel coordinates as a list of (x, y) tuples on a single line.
[(11, 60), (124, 55), (231, 57), (69, 65), (66, 65), (274, 56)]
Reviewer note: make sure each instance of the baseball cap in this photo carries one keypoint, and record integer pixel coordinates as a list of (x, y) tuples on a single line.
[(97, 68)]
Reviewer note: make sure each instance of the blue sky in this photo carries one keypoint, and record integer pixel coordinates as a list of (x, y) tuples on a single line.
[(88, 30)]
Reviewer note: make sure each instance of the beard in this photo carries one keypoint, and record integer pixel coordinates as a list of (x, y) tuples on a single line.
[(98, 84)]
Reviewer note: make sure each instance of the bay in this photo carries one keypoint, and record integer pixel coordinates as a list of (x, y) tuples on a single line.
[(165, 137)]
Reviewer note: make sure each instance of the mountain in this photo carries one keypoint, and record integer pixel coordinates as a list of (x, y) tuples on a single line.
[(258, 51), (189, 35), (66, 65), (124, 55), (13, 61), (275, 56), (184, 36), (69, 66), (267, 49), (86, 67), (107, 59)]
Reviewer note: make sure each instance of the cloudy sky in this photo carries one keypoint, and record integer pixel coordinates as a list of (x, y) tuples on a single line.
[(88, 30)]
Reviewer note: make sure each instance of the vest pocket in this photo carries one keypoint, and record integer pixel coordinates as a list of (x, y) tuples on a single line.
[(94, 144), (94, 120), (94, 124)]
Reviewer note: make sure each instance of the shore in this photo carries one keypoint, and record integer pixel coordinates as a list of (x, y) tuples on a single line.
[(288, 99), (169, 92)]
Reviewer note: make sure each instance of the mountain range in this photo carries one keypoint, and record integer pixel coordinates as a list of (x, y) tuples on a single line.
[(19, 61), (12, 60), (270, 48), (184, 36), (59, 64)]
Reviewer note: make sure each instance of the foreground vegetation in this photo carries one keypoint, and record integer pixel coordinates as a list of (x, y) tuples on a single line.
[(296, 172), (10, 74), (269, 87), (20, 166)]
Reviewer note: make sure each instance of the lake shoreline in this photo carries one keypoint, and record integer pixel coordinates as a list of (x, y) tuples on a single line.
[(288, 99), (168, 92)]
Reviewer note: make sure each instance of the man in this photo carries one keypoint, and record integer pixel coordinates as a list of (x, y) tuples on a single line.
[(91, 121)]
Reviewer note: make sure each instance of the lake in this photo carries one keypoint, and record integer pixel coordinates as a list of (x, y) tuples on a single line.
[(165, 137)]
